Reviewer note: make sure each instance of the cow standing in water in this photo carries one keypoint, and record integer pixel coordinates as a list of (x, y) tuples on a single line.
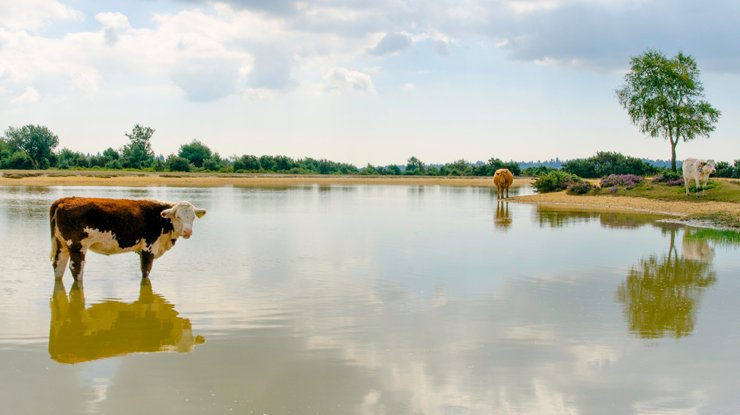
[(112, 226), (503, 179)]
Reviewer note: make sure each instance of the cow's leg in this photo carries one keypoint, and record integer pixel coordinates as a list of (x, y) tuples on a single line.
[(506, 189), (147, 260), (77, 255), (686, 183), (59, 258), (696, 179)]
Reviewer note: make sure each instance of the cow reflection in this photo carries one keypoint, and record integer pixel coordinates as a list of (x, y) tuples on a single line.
[(114, 328), (661, 294), (696, 248), (502, 217)]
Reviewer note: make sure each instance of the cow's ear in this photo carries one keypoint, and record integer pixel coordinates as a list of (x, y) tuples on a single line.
[(200, 212), (167, 213)]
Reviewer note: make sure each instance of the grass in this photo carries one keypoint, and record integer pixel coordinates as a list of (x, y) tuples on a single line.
[(717, 190)]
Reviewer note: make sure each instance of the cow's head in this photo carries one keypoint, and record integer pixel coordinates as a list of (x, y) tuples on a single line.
[(706, 167), (182, 215)]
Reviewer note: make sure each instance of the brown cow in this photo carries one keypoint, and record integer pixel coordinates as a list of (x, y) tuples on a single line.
[(503, 180), (111, 226)]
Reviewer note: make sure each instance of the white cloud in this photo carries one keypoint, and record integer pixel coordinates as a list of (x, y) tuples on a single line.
[(391, 43), (29, 96), (345, 80), (113, 25), (30, 15)]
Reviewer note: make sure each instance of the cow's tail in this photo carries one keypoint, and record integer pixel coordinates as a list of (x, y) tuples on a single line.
[(53, 225)]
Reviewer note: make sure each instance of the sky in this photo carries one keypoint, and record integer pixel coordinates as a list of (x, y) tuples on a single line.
[(360, 81)]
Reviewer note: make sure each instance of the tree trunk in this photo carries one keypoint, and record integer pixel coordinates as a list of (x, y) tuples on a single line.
[(673, 154)]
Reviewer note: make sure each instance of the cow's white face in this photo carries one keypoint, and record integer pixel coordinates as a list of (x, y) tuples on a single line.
[(182, 216), (709, 167)]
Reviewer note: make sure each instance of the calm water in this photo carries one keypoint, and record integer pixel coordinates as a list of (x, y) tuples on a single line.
[(373, 300)]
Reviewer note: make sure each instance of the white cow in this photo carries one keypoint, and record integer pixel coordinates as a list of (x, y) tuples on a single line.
[(699, 171)]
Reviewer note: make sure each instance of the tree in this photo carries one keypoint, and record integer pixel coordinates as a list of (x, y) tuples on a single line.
[(664, 98), (36, 141), (414, 166), (177, 163), (138, 152), (196, 152)]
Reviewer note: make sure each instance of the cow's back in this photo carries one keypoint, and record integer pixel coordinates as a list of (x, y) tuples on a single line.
[(689, 168), (503, 177), (129, 220)]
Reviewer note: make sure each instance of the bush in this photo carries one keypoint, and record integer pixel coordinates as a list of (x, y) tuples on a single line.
[(554, 181), (579, 188), (627, 180), (669, 178), (607, 163), (177, 163)]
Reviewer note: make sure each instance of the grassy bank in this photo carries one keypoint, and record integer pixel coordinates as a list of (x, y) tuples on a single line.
[(719, 207)]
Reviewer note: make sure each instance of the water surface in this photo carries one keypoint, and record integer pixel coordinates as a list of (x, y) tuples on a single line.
[(373, 300)]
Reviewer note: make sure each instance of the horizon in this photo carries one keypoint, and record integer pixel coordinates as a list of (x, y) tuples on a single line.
[(359, 82)]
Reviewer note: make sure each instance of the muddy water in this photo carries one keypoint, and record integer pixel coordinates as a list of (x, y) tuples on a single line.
[(373, 300)]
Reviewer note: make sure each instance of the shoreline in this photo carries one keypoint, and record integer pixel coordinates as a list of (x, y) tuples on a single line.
[(154, 179), (688, 212)]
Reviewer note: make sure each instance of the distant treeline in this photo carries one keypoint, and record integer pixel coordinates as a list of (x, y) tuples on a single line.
[(34, 147)]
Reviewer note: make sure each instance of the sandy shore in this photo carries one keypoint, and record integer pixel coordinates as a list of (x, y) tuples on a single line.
[(634, 204), (136, 179)]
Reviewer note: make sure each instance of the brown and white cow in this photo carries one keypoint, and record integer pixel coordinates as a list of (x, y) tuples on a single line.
[(503, 179), (112, 226), (699, 171)]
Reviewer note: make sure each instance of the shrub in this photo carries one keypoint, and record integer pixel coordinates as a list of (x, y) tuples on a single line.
[(606, 163), (579, 188), (669, 178), (554, 181), (627, 180)]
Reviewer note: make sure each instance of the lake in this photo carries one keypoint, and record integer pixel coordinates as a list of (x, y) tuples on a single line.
[(373, 300)]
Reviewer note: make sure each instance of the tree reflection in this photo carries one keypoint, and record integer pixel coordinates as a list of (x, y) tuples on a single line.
[(661, 294), (114, 328), (558, 217)]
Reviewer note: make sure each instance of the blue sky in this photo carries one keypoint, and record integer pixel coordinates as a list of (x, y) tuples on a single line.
[(359, 81)]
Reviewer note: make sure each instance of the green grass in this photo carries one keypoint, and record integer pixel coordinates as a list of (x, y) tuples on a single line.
[(717, 190)]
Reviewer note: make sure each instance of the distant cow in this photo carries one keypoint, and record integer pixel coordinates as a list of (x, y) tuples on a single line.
[(699, 171), (503, 179), (111, 226)]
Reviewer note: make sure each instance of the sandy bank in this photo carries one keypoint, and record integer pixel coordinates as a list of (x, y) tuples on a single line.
[(679, 209), (136, 179)]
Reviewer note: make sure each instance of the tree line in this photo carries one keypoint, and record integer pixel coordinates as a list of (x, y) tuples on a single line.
[(34, 147)]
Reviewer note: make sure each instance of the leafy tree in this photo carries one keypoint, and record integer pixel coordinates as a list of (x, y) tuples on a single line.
[(138, 152), (195, 152), (68, 159), (214, 163), (177, 163), (247, 162), (605, 163), (414, 166), (36, 141), (664, 98), (457, 168)]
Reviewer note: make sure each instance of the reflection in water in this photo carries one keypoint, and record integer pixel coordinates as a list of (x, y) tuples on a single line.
[(502, 218), (558, 217), (661, 295), (114, 328)]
